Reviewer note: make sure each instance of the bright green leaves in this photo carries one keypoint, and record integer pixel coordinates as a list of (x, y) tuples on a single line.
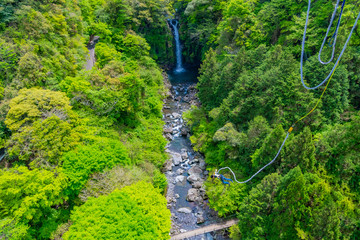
[(135, 46), (105, 182), (146, 143), (44, 142), (239, 26), (105, 54), (85, 160), (43, 127), (33, 23), (134, 212), (34, 104), (10, 229), (28, 195), (79, 129), (30, 71), (225, 199), (29, 202)]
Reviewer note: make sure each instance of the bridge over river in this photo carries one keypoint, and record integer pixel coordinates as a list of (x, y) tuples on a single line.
[(206, 229)]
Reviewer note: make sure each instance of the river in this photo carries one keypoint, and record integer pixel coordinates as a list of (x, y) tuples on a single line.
[(186, 169)]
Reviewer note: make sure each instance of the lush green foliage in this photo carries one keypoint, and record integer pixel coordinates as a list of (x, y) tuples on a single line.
[(63, 124), (40, 120), (296, 206), (251, 93), (106, 182), (27, 198), (85, 160), (134, 212)]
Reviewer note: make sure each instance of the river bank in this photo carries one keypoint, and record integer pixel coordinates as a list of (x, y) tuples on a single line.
[(186, 169)]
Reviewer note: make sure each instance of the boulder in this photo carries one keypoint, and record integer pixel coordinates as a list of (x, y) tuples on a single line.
[(193, 195), (202, 164), (169, 137), (198, 214), (176, 115), (176, 158), (180, 171), (170, 199), (180, 179), (168, 130), (200, 219), (195, 170), (193, 178), (203, 193), (184, 155), (184, 131), (186, 98), (177, 196), (197, 184), (167, 166), (184, 210)]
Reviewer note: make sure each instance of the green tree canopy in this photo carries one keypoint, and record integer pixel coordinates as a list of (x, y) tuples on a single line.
[(134, 212), (27, 198)]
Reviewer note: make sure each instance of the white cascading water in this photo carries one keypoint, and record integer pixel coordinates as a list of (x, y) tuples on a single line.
[(179, 68)]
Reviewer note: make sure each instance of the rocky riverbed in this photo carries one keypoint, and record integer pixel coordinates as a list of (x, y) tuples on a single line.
[(185, 169)]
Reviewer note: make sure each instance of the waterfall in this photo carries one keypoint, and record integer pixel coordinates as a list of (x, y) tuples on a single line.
[(3, 152), (179, 68)]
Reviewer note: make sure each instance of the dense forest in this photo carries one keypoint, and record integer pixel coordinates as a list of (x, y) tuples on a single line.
[(251, 93), (85, 148), (74, 136)]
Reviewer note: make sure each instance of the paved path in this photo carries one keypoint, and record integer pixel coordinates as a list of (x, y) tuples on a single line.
[(90, 59), (205, 229)]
